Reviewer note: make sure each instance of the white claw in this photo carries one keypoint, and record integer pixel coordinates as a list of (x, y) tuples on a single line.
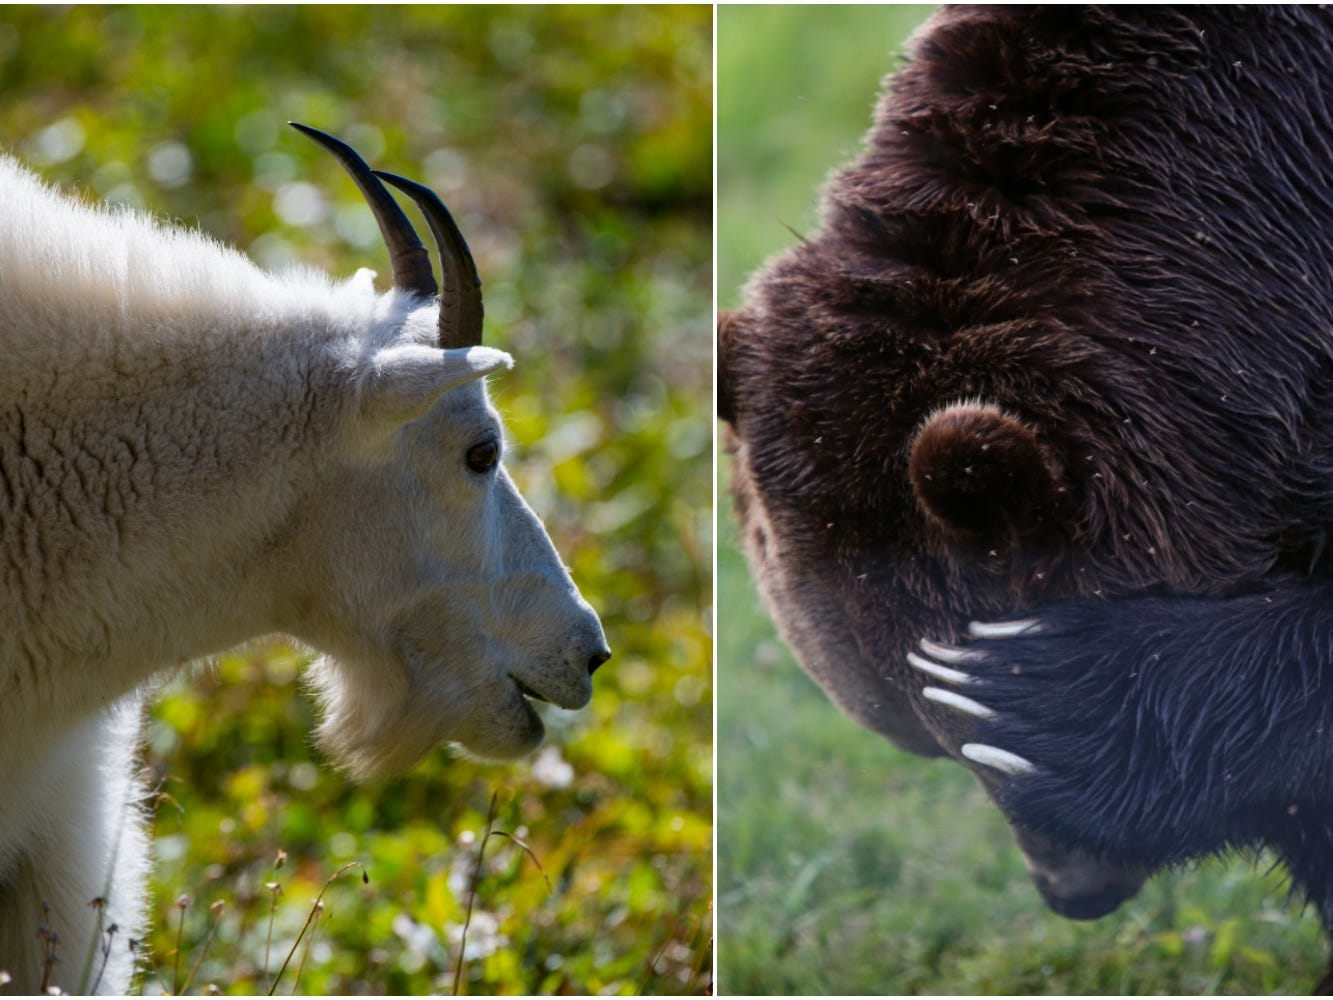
[(951, 654), (1001, 760), (1002, 630), (945, 674), (957, 701)]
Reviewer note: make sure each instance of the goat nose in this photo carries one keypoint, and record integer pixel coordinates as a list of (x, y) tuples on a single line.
[(597, 659)]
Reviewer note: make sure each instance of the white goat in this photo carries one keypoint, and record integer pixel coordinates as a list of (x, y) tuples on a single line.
[(194, 452)]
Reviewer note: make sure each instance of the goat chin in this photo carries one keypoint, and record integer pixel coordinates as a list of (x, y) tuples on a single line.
[(375, 728)]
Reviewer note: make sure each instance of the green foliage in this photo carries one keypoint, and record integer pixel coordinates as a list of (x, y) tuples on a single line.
[(573, 145), (845, 867)]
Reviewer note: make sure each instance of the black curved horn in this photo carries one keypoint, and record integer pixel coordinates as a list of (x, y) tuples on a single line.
[(461, 307), (411, 263)]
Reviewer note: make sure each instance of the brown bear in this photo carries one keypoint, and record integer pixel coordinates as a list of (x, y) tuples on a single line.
[(1033, 438)]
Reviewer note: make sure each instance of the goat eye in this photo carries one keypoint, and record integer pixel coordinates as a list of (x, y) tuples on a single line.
[(483, 457)]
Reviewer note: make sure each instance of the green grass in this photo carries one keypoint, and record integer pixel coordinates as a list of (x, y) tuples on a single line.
[(573, 144), (795, 90), (845, 866)]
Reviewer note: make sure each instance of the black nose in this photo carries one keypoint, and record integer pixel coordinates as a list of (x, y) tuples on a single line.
[(596, 660)]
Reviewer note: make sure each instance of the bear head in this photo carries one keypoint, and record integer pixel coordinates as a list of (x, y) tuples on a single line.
[(1063, 331)]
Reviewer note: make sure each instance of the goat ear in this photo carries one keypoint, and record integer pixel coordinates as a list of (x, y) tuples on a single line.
[(400, 384), (983, 476), (363, 281), (727, 324)]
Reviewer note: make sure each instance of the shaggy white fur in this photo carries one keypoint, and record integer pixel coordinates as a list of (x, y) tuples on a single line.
[(194, 452)]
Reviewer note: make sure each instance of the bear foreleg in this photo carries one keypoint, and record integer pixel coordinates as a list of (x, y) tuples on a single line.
[(1151, 730)]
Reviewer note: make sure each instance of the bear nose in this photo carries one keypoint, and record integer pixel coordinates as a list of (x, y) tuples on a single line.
[(597, 659)]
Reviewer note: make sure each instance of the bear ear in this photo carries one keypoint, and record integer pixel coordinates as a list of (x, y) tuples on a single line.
[(727, 324), (983, 476)]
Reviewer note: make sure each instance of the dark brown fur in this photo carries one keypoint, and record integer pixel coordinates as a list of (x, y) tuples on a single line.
[(1064, 332)]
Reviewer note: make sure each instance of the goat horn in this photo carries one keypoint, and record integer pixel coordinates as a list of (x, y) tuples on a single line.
[(460, 303), (411, 263)]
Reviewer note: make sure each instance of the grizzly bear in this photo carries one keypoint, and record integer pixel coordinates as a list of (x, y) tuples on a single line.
[(1033, 437)]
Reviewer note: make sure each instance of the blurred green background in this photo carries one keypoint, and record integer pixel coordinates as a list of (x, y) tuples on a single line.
[(843, 865), (573, 145)]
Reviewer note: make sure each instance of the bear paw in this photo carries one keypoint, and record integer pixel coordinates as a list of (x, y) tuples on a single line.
[(1082, 735), (941, 662)]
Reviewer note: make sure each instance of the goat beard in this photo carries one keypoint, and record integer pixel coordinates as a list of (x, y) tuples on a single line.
[(374, 727)]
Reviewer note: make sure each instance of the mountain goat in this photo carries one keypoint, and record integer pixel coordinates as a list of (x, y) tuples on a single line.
[(194, 452)]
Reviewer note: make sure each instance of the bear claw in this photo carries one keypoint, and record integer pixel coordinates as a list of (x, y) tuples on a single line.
[(979, 753), (951, 654), (1001, 760), (1002, 630), (958, 702), (946, 674)]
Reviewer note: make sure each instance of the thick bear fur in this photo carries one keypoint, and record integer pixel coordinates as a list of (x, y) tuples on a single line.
[(1062, 349)]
